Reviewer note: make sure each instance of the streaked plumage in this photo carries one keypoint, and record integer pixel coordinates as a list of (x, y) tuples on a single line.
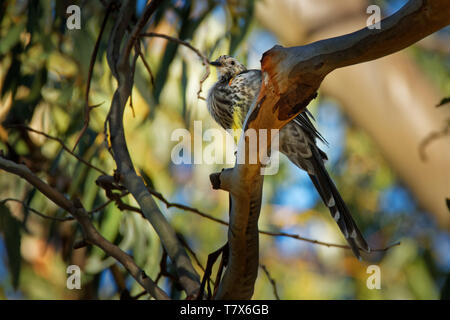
[(228, 103)]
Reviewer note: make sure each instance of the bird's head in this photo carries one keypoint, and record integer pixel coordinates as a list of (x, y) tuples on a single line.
[(228, 67)]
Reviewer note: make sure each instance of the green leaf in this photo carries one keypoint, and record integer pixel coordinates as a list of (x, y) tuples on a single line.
[(34, 12), (187, 31), (11, 38), (143, 84), (241, 21), (10, 228), (445, 292), (443, 101), (184, 82), (23, 109), (26, 213), (148, 181), (12, 77), (3, 7)]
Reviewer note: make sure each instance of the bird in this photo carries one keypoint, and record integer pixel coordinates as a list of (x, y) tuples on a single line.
[(228, 102)]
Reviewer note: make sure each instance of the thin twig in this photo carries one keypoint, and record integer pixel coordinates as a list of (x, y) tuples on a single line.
[(326, 244), (186, 44), (35, 211), (212, 257), (66, 148), (92, 236), (101, 207), (269, 233), (133, 70), (184, 207), (118, 54), (87, 108), (190, 250), (106, 135), (136, 297), (163, 269), (147, 66), (271, 280), (194, 256)]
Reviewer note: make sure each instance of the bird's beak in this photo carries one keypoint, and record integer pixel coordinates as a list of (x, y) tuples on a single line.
[(215, 63)]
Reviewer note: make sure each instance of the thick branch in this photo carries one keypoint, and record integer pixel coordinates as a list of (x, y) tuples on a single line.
[(91, 234), (294, 74), (189, 279), (291, 78), (245, 206), (413, 22)]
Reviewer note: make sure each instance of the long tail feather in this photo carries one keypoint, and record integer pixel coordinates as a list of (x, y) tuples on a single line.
[(338, 209)]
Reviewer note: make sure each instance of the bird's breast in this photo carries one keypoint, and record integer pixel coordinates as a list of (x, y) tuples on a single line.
[(220, 105)]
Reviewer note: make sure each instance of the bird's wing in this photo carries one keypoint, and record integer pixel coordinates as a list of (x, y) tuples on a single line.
[(298, 143), (303, 119), (246, 86)]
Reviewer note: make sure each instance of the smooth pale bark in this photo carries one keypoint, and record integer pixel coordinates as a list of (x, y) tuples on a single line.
[(290, 80), (390, 98)]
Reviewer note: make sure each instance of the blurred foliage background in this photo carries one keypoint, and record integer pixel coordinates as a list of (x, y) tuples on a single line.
[(43, 75)]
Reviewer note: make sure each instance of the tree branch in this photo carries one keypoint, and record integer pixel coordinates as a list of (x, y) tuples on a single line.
[(61, 143), (119, 62), (291, 78), (107, 183), (90, 233), (205, 60), (87, 108), (40, 214), (272, 281)]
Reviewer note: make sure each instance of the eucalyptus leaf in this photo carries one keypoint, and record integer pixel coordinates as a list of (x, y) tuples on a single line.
[(11, 38), (443, 101), (10, 227)]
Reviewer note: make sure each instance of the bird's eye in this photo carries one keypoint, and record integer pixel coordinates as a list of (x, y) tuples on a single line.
[(232, 63)]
